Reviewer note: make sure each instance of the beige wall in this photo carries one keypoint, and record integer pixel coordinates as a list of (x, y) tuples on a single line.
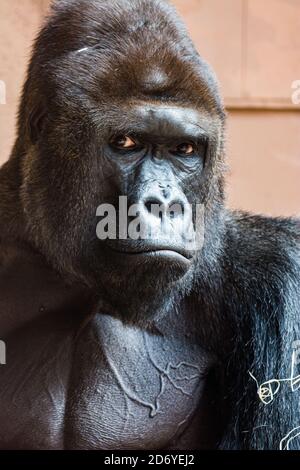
[(254, 46), (19, 22)]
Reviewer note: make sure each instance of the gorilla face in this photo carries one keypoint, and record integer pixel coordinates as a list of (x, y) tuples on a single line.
[(121, 114), (151, 160)]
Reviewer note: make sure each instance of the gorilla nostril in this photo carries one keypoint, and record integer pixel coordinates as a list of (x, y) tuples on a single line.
[(154, 206), (158, 208), (175, 209)]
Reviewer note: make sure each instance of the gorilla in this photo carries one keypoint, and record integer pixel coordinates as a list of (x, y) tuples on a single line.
[(187, 338)]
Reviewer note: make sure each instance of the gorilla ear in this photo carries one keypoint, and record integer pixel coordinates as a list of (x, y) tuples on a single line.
[(35, 121)]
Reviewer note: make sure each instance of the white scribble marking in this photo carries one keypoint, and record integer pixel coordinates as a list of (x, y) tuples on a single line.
[(285, 442), (267, 393), (267, 390)]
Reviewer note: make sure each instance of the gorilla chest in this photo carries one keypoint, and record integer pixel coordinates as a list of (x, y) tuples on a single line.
[(113, 387), (138, 391)]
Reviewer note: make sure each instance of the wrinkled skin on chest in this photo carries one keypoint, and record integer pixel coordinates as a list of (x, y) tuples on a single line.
[(74, 382)]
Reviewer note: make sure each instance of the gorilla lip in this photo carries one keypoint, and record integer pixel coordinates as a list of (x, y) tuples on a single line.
[(158, 252)]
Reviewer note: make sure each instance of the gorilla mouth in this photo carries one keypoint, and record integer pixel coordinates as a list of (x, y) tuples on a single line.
[(167, 253), (162, 252)]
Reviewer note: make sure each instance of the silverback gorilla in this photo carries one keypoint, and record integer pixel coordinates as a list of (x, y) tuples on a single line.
[(137, 343)]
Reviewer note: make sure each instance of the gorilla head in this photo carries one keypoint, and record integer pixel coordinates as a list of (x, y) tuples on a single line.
[(119, 103)]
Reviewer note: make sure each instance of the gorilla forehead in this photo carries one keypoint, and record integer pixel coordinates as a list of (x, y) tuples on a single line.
[(156, 120), (121, 48), (171, 120)]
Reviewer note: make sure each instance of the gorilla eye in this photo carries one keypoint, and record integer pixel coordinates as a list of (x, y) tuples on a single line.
[(185, 149), (123, 142)]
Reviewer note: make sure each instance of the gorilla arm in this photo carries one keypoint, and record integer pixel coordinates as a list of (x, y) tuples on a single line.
[(263, 301)]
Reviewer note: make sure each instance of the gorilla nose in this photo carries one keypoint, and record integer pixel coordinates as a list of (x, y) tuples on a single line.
[(161, 207)]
